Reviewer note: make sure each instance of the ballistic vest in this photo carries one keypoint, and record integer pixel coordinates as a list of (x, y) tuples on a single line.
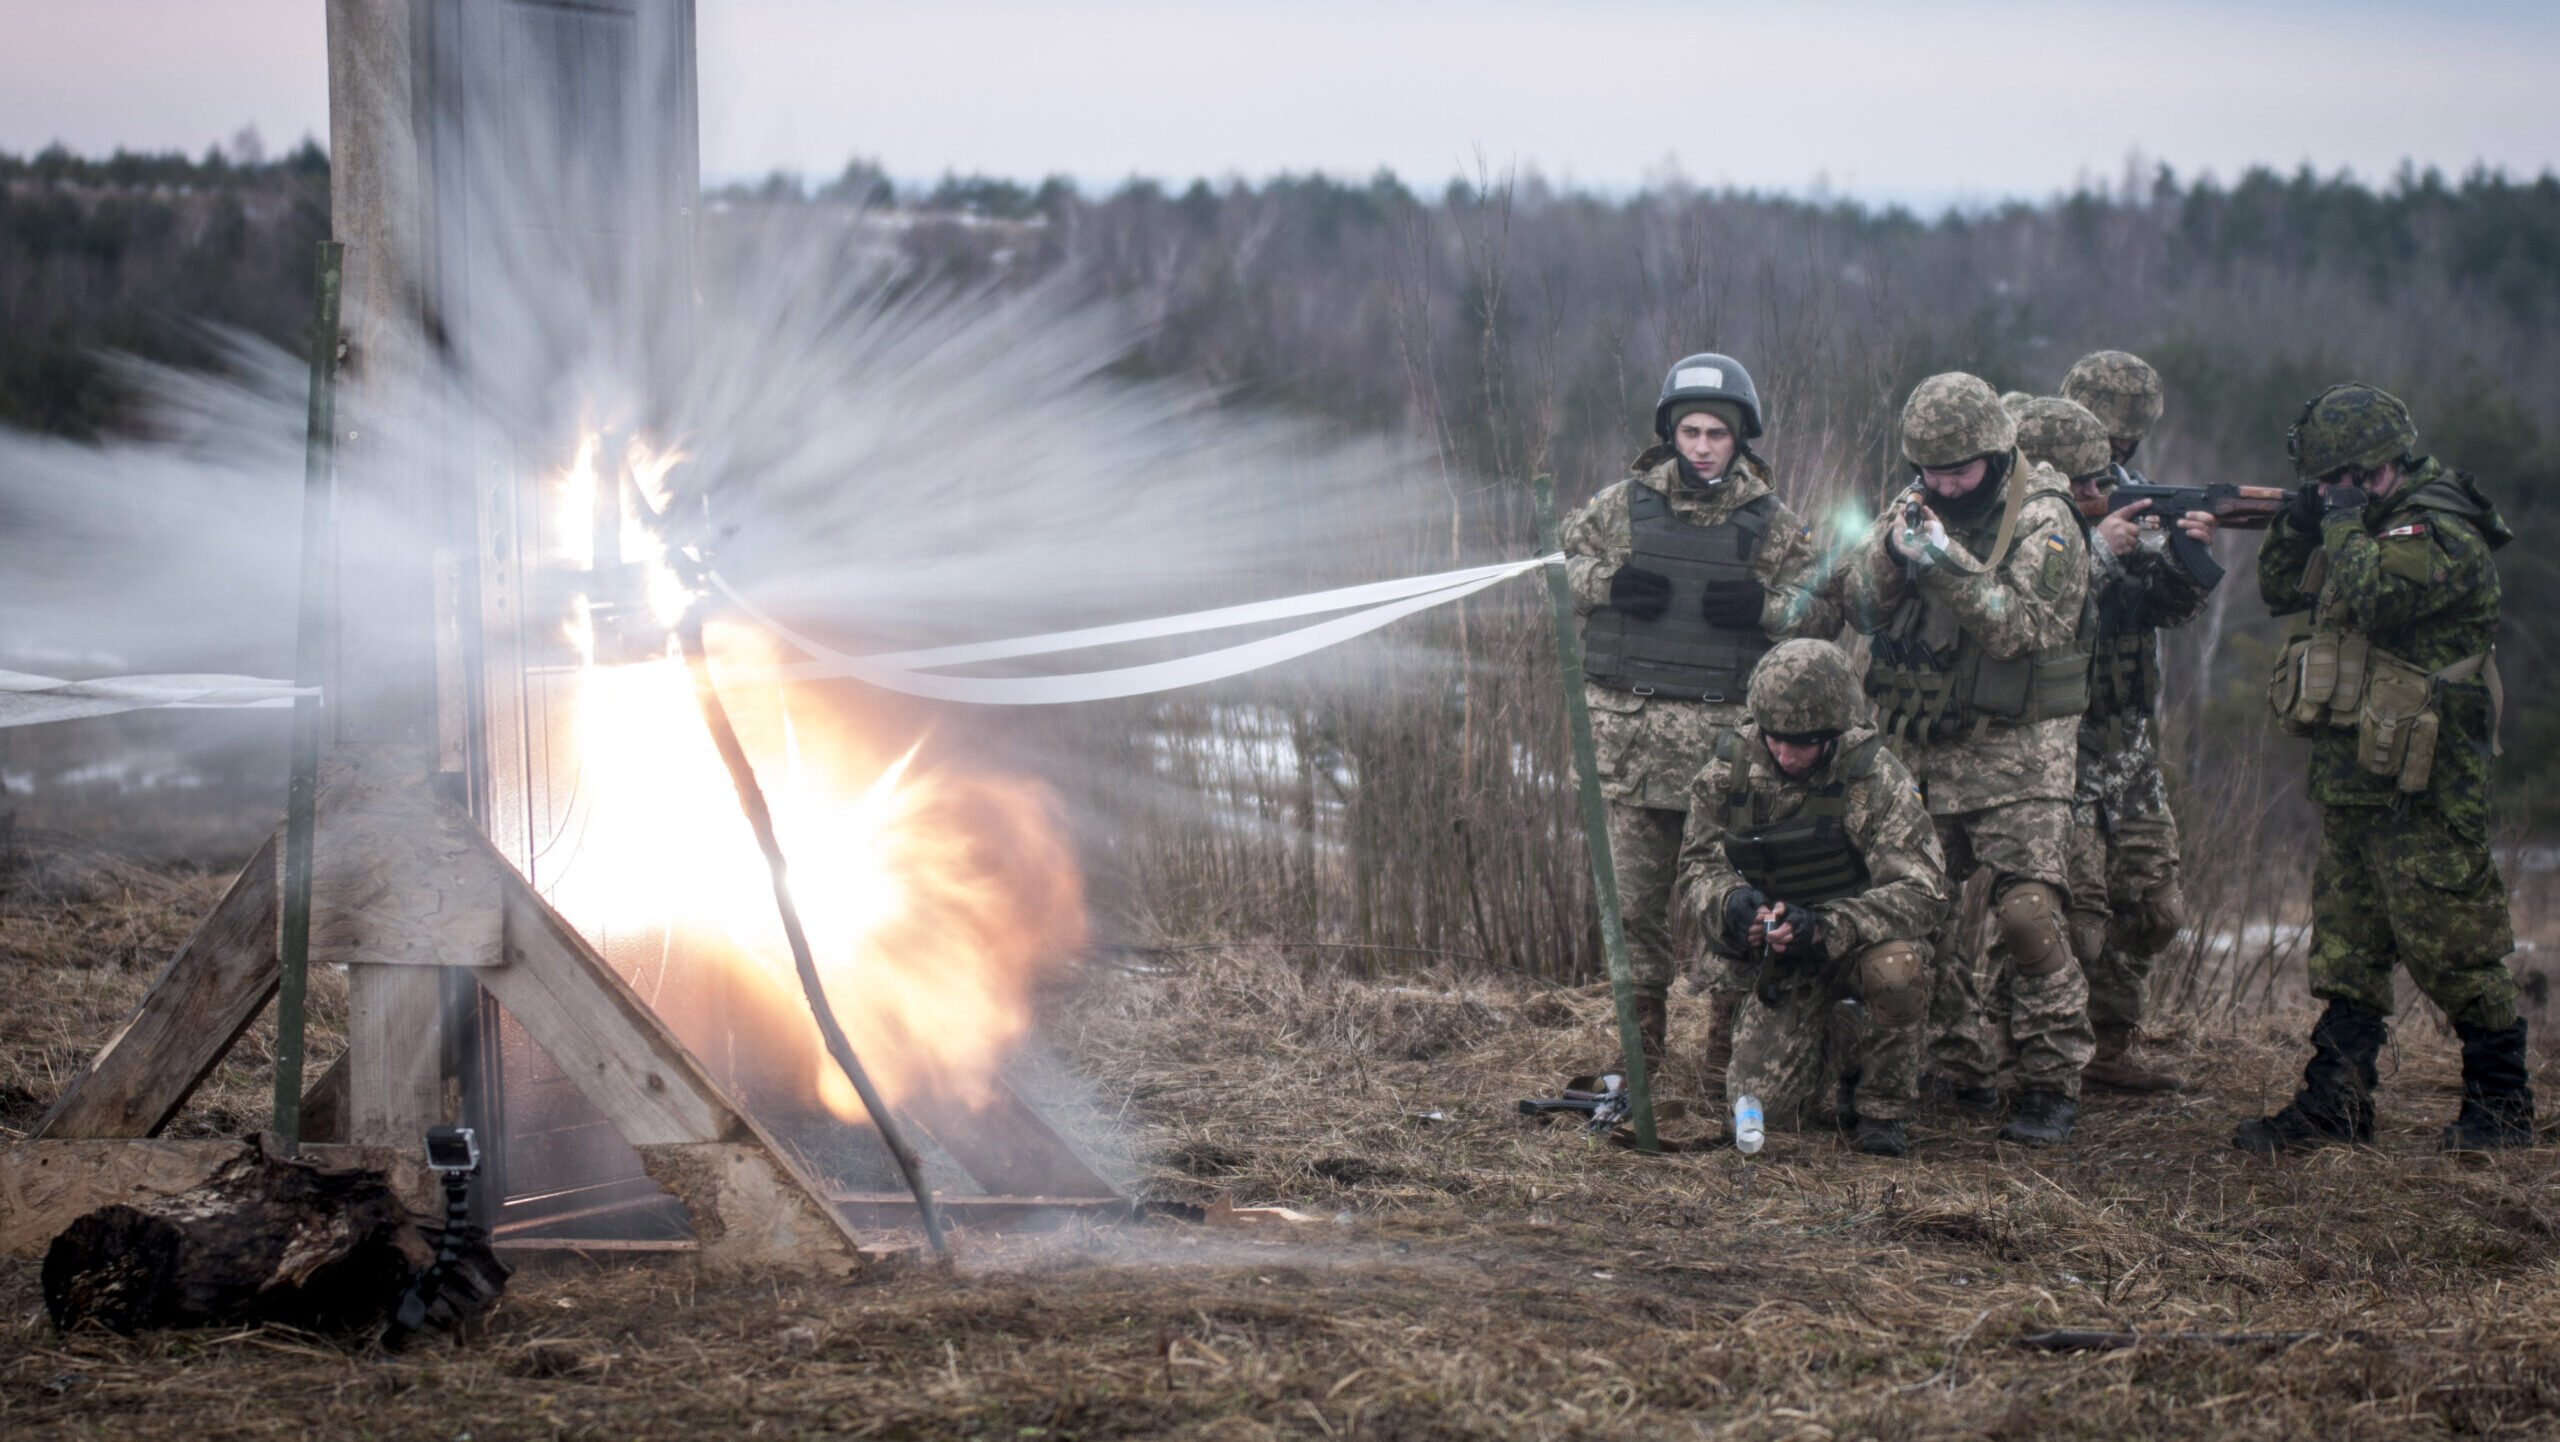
[(1680, 654), (1929, 677), (1807, 858)]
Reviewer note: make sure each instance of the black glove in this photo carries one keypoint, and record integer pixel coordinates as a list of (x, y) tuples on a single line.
[(2304, 509), (1640, 593), (1733, 603), (2343, 501), (1802, 947), (1741, 910)]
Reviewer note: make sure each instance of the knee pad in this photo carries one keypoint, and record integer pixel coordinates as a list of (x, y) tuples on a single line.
[(1892, 978), (2088, 938), (2153, 922), (2030, 919)]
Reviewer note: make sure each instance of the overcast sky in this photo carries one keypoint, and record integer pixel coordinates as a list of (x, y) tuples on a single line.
[(1918, 102)]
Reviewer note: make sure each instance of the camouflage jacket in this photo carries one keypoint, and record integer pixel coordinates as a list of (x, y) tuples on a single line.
[(1651, 746), (2031, 602), (2137, 595), (1906, 892), (2413, 573)]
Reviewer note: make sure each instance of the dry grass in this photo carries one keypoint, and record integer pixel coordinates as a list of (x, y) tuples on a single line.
[(1478, 1275)]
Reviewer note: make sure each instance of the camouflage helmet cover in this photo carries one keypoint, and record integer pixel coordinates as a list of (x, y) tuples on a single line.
[(1803, 688), (2350, 425), (2119, 388), (2064, 435), (1952, 418), (2013, 401)]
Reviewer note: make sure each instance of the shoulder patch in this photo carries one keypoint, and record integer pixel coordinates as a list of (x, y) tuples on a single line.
[(2414, 528), (2409, 557)]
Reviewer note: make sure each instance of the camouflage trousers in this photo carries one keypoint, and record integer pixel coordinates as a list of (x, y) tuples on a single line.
[(2120, 878), (2401, 889), (2048, 1015), (1793, 1055), (1644, 845)]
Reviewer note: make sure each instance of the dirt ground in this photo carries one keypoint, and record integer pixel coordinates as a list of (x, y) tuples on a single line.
[(1469, 1273)]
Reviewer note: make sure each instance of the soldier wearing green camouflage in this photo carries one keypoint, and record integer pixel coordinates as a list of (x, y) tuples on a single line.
[(1684, 573), (2127, 905), (2389, 553), (1971, 588), (1812, 868)]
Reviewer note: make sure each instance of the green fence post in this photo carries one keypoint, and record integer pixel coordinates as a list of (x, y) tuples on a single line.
[(1595, 821)]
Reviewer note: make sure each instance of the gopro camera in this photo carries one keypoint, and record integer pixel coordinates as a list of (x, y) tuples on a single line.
[(452, 1150)]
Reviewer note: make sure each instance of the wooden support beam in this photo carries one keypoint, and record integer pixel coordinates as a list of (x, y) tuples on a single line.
[(749, 1202), (204, 999)]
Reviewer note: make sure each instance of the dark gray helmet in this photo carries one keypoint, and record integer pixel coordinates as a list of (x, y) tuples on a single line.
[(1707, 376)]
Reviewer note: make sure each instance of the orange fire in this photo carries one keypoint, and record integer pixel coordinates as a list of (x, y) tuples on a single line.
[(934, 899)]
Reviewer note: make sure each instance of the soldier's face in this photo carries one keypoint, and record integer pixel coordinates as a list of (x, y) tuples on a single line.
[(1705, 442), (1795, 757), (1954, 483)]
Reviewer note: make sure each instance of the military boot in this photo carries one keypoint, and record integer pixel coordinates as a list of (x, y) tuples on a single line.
[(1653, 1023), (1878, 1137), (2497, 1100), (2335, 1106), (2043, 1119), (2114, 1069), (1981, 1101), (1721, 1007)]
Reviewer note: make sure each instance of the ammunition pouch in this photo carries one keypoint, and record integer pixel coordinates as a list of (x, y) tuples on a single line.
[(1677, 652), (2339, 680), (1920, 698)]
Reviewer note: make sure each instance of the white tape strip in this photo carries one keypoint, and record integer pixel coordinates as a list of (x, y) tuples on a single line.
[(26, 700), (1380, 604)]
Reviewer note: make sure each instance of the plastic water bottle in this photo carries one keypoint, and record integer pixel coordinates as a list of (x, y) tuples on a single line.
[(1746, 1125)]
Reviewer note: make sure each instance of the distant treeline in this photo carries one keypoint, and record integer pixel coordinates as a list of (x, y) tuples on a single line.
[(1523, 328)]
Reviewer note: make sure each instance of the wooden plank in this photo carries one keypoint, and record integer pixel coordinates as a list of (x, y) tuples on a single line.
[(205, 998), (750, 1203), (602, 1035), (395, 1050), (398, 876)]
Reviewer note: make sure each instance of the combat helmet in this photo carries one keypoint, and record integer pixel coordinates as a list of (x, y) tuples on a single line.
[(1952, 418), (2350, 425), (1803, 688), (2119, 388), (2064, 435), (1708, 376)]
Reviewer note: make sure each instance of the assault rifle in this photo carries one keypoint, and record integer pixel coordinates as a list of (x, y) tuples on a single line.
[(2247, 508), (1601, 1100)]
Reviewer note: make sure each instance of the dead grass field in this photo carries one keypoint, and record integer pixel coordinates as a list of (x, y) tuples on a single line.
[(1472, 1275)]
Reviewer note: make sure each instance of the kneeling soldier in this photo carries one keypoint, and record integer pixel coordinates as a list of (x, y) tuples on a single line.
[(1810, 861)]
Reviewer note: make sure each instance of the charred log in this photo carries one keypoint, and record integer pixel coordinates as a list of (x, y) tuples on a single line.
[(264, 1239)]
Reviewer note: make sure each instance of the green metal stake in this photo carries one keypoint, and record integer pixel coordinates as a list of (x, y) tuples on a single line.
[(309, 659), (1595, 822)]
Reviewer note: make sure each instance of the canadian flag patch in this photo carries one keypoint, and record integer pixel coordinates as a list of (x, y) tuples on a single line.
[(2414, 528)]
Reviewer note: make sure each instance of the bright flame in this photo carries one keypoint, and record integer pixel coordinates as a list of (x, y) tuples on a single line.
[(934, 900)]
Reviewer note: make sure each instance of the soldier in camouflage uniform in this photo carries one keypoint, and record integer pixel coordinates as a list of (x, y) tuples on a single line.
[(1812, 866), (2127, 904), (1683, 573), (1971, 589), (2389, 552)]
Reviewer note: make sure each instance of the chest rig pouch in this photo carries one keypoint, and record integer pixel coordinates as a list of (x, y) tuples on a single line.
[(2124, 656), (1931, 680), (1805, 858), (2336, 679), (1679, 653)]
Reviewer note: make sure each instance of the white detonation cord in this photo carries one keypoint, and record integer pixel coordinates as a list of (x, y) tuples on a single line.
[(1372, 606), (27, 699)]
